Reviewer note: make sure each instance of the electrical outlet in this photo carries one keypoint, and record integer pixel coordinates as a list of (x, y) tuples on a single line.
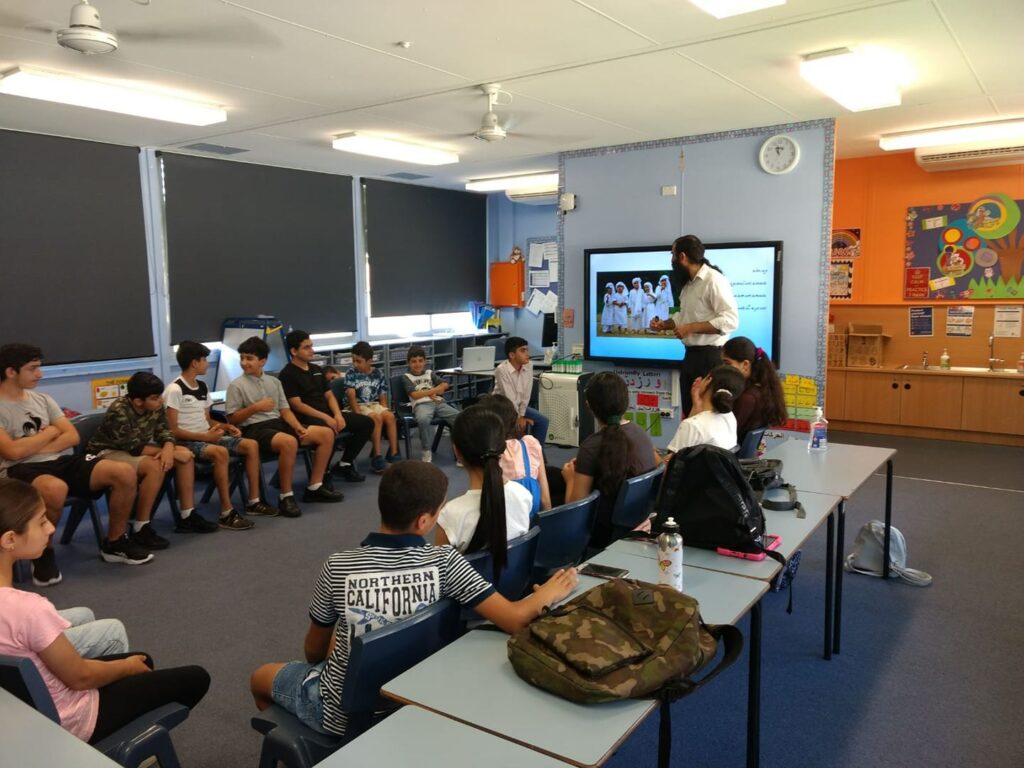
[(666, 413)]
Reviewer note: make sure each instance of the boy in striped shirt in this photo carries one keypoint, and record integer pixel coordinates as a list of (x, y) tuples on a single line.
[(392, 575)]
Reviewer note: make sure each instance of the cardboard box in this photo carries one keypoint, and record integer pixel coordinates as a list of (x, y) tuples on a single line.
[(865, 346)]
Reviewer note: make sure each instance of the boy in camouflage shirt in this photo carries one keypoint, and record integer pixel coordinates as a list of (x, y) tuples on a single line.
[(135, 431)]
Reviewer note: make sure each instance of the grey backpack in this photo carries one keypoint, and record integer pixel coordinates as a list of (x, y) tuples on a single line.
[(867, 555)]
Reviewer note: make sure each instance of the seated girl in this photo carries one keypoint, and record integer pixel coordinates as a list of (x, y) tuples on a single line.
[(492, 512), (93, 697), (761, 404), (616, 451), (520, 450), (711, 421)]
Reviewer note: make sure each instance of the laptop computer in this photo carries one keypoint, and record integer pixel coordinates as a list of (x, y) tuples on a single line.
[(478, 360)]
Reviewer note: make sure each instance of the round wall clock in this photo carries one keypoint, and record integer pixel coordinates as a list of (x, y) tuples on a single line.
[(779, 154)]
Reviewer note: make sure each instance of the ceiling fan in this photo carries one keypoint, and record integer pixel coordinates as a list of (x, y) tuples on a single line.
[(85, 33), (491, 128)]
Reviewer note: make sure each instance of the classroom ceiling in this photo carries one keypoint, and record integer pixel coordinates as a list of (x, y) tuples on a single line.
[(580, 74)]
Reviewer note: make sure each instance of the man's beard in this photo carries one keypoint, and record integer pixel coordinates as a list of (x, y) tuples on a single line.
[(680, 276)]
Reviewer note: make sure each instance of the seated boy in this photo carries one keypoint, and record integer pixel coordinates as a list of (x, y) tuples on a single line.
[(514, 379), (135, 431), (398, 556), (188, 413), (34, 433), (367, 394), (425, 390), (313, 403), (256, 403)]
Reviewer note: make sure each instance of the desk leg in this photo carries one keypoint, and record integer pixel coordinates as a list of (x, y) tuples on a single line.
[(837, 608), (888, 517), (830, 553), (754, 690)]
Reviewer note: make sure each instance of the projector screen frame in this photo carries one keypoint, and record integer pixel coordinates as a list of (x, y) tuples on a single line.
[(710, 249)]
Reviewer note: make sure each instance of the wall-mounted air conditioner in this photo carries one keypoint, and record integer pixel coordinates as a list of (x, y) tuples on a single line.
[(534, 197), (958, 157)]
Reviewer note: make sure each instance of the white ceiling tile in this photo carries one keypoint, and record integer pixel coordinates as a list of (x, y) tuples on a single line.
[(990, 33)]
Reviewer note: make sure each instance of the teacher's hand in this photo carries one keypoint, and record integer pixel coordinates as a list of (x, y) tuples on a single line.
[(682, 331)]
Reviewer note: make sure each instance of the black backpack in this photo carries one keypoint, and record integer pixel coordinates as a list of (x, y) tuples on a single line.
[(708, 494)]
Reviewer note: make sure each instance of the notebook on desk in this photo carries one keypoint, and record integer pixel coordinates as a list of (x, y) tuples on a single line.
[(478, 360)]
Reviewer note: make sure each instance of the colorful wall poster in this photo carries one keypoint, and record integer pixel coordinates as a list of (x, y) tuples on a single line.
[(921, 321), (840, 279), (106, 391), (845, 243), (971, 250), (915, 283), (960, 321)]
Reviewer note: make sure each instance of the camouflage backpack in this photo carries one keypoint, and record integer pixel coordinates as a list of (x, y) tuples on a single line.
[(622, 639)]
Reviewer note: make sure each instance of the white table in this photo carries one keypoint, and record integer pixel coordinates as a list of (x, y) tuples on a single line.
[(32, 740), (794, 531), (414, 736), (724, 599), (839, 471), (473, 682)]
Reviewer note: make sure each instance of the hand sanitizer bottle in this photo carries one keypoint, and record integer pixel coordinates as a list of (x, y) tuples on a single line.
[(944, 360), (818, 439)]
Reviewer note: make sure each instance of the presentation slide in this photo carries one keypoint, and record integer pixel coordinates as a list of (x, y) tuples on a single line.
[(626, 288)]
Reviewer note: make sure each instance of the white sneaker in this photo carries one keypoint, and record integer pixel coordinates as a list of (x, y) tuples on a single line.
[(425, 456)]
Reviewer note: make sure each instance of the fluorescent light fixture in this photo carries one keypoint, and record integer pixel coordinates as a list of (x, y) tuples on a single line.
[(533, 181), (109, 96), (998, 130), (392, 149), (721, 9), (861, 79)]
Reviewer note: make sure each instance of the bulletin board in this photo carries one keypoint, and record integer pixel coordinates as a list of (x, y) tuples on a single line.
[(965, 250), (541, 275)]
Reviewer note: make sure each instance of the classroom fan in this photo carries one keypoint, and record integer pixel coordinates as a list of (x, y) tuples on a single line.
[(493, 129), (85, 33)]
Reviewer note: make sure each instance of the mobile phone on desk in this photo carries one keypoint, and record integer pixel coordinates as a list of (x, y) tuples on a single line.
[(771, 542), (603, 571)]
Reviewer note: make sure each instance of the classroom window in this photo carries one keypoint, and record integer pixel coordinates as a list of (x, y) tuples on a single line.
[(407, 325)]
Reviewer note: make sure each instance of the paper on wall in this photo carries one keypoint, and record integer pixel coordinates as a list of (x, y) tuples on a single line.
[(1007, 322), (535, 303), (550, 303), (536, 257), (539, 278)]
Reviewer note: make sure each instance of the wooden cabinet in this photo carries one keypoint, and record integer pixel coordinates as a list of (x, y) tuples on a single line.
[(835, 395), (931, 401), (872, 397), (906, 399), (993, 405)]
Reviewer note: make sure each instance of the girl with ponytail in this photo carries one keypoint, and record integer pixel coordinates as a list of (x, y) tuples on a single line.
[(492, 512), (761, 404), (618, 450), (711, 422)]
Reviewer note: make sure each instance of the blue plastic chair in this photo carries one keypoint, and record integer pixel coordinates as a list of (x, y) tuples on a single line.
[(518, 571), (143, 738), (375, 658), (564, 533), (633, 503), (86, 425), (748, 448)]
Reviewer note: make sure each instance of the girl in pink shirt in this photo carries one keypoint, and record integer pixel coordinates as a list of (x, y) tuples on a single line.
[(513, 467), (93, 697)]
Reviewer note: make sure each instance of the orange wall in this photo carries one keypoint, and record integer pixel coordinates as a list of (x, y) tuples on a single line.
[(873, 193)]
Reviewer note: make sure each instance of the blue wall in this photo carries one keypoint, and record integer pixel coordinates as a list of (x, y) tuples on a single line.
[(511, 224), (723, 196)]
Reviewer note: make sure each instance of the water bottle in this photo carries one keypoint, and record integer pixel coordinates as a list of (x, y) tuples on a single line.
[(670, 555), (818, 439)]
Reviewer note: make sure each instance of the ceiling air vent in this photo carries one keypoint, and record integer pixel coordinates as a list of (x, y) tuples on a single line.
[(954, 159), (407, 176)]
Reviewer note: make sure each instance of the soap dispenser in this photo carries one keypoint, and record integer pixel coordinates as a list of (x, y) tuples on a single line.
[(944, 360)]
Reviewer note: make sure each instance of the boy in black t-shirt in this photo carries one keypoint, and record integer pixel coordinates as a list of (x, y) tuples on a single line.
[(314, 404)]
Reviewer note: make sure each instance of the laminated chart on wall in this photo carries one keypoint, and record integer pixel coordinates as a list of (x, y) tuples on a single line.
[(801, 396), (542, 275), (971, 250), (651, 391), (106, 391)]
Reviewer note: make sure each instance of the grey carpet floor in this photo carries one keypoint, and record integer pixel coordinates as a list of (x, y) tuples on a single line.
[(926, 677)]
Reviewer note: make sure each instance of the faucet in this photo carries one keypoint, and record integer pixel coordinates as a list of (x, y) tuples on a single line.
[(992, 359), (924, 359)]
